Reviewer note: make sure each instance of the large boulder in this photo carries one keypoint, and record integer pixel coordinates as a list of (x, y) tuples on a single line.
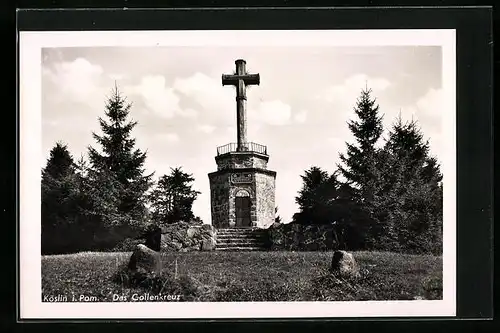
[(344, 265), (145, 260)]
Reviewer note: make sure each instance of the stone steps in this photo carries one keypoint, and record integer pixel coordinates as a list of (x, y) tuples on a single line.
[(239, 248), (248, 243), (239, 236), (240, 231), (240, 239)]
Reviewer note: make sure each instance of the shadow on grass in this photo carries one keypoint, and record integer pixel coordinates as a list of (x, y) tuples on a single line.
[(163, 283)]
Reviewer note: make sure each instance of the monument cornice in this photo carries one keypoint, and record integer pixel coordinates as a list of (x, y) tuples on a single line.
[(234, 170), (242, 153)]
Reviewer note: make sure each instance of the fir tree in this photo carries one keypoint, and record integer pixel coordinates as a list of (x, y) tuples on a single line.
[(59, 199), (382, 210), (357, 171), (117, 180), (408, 195), (173, 197), (60, 162), (356, 166), (316, 198)]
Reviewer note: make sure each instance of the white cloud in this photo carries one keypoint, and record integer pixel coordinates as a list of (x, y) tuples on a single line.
[(198, 83), (362, 80), (338, 101), (300, 117), (349, 90), (219, 102), (207, 92), (52, 123), (188, 113), (205, 128), (116, 76), (335, 141), (168, 137), (431, 103), (158, 98), (76, 80), (428, 110), (272, 112), (199, 89)]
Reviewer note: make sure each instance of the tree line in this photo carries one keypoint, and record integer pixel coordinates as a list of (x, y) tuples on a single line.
[(97, 202), (385, 194)]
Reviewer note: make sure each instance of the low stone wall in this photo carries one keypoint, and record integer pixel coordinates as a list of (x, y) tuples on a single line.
[(297, 237), (185, 237)]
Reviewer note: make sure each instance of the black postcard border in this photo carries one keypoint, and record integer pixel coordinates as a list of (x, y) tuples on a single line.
[(474, 104)]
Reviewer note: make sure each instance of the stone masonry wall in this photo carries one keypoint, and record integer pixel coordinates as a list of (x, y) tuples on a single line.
[(237, 171), (241, 160), (265, 187), (219, 196), (185, 237), (297, 237)]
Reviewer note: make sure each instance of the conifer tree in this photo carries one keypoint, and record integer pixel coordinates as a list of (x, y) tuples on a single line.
[(60, 162), (388, 186), (356, 165), (316, 198), (357, 170), (59, 199), (117, 182), (173, 197), (408, 196)]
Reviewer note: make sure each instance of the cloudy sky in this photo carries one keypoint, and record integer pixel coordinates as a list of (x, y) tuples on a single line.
[(299, 111)]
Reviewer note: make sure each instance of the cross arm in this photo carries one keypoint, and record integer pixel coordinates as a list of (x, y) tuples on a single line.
[(232, 79)]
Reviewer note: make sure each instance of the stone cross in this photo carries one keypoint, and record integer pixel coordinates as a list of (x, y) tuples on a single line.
[(240, 80)]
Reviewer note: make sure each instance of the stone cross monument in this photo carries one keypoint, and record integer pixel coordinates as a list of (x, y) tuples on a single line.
[(241, 79), (242, 190)]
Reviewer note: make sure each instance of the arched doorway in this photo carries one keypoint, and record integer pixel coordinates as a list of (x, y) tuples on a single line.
[(243, 204)]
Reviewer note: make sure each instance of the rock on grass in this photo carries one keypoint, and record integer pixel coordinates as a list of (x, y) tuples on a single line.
[(344, 265), (144, 259)]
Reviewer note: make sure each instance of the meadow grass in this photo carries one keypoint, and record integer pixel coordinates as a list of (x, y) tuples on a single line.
[(244, 276)]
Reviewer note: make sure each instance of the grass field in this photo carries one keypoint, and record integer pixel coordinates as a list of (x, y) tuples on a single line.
[(241, 276)]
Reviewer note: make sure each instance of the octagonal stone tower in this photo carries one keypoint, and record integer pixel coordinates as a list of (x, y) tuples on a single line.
[(242, 190)]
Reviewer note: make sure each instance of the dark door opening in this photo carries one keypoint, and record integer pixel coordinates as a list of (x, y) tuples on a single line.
[(243, 212)]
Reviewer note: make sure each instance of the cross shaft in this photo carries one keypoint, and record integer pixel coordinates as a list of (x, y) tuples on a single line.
[(241, 79)]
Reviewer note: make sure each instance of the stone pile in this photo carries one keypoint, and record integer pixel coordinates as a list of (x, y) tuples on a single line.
[(298, 237), (185, 237)]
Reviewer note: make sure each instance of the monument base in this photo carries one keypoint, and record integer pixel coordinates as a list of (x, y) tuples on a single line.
[(242, 198)]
